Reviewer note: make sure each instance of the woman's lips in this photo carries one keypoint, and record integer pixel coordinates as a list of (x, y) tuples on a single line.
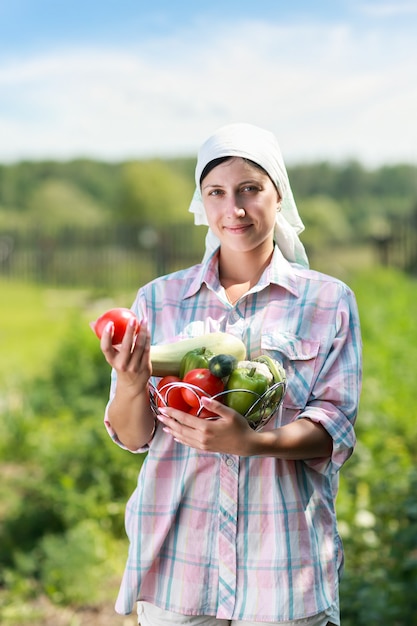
[(237, 229)]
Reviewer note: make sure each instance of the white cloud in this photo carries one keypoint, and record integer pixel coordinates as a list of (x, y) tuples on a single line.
[(389, 9), (326, 92)]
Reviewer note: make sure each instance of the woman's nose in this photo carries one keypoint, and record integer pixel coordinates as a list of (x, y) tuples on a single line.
[(235, 208)]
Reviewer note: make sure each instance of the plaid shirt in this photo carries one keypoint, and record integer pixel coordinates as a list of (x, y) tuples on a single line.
[(248, 538)]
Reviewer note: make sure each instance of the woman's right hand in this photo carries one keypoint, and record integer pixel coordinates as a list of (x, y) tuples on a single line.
[(131, 359), (129, 411)]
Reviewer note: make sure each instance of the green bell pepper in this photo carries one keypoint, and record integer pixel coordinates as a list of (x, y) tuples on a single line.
[(195, 359), (246, 385)]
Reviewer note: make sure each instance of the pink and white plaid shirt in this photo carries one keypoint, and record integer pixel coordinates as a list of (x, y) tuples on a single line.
[(248, 538)]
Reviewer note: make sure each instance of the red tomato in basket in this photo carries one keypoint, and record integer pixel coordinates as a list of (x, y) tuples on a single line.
[(170, 394), (206, 383), (120, 318)]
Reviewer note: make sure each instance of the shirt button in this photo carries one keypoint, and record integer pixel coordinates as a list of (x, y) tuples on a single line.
[(230, 462)]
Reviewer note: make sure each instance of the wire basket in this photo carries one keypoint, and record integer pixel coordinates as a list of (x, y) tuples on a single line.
[(260, 412)]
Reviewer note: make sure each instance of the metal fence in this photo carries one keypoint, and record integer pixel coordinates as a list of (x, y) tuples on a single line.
[(398, 246), (106, 258)]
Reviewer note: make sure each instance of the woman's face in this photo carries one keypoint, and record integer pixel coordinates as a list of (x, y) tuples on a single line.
[(241, 203)]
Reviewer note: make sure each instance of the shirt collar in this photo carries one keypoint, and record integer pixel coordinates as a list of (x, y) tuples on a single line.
[(279, 272), (208, 273)]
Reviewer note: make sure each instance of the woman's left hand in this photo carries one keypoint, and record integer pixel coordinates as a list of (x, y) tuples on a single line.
[(229, 434)]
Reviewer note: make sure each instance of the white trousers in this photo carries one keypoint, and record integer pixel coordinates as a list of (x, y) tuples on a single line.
[(151, 615)]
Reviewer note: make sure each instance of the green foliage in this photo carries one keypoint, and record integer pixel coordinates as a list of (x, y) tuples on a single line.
[(64, 481), (367, 197), (159, 190), (352, 180), (56, 204), (377, 501), (380, 583), (325, 223), (33, 322), (79, 375), (96, 179), (72, 564), (153, 194)]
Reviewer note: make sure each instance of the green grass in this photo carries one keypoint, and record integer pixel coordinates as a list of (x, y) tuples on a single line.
[(34, 319)]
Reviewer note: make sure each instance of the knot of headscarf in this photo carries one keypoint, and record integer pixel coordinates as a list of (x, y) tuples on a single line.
[(260, 146)]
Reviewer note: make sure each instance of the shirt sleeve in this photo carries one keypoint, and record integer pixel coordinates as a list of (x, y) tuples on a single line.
[(109, 428), (334, 399)]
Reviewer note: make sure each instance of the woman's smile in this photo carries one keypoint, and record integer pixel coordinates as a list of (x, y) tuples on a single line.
[(237, 229)]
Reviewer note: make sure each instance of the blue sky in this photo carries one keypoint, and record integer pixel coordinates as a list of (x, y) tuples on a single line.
[(124, 79)]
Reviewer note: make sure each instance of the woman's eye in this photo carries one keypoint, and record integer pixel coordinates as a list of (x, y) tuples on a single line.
[(248, 188)]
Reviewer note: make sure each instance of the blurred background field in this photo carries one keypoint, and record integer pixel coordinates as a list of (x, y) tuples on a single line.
[(64, 484)]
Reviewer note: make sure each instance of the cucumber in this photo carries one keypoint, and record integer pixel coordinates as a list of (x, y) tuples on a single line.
[(166, 358)]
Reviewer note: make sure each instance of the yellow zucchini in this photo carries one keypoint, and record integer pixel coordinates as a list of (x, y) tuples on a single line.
[(166, 358)]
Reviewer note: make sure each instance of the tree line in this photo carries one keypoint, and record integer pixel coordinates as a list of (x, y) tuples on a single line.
[(87, 192), (143, 204)]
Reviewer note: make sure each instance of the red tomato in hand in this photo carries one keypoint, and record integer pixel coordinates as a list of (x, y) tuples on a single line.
[(170, 395), (205, 381), (120, 318)]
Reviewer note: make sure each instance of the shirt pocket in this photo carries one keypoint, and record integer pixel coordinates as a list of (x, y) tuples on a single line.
[(298, 356)]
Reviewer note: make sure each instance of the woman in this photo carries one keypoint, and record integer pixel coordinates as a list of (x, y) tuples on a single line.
[(227, 525)]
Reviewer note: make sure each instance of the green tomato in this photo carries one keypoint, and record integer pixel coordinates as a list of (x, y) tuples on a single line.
[(247, 385), (222, 365)]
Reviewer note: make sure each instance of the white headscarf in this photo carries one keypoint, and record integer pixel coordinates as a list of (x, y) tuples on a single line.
[(260, 146)]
